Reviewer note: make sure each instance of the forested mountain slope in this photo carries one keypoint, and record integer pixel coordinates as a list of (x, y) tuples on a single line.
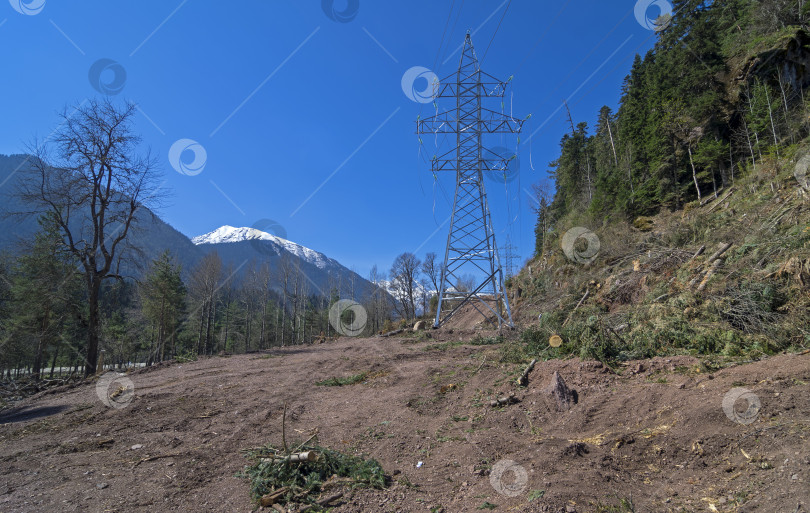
[(690, 203)]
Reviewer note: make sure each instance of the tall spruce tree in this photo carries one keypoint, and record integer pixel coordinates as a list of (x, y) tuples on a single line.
[(163, 297), (44, 292)]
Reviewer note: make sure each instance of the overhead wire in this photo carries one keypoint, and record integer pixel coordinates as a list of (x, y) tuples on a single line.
[(542, 36), (496, 32), (435, 62)]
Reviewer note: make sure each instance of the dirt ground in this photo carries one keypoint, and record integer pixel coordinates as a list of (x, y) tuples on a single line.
[(655, 433)]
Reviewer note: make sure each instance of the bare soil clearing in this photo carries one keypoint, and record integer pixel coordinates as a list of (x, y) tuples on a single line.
[(656, 433)]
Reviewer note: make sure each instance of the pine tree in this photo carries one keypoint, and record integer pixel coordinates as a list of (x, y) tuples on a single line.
[(45, 283), (163, 297)]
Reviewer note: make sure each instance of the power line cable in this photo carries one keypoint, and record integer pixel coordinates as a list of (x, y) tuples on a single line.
[(494, 33)]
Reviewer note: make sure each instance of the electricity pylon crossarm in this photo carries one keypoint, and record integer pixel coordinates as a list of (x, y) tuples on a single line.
[(471, 242)]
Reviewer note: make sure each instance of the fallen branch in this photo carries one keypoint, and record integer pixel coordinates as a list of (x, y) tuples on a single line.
[(307, 440), (337, 481), (273, 497), (152, 458), (699, 252), (323, 502), (390, 333), (523, 380), (480, 366), (503, 401), (587, 291), (284, 428)]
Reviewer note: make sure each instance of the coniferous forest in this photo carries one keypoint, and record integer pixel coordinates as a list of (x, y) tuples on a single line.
[(723, 88)]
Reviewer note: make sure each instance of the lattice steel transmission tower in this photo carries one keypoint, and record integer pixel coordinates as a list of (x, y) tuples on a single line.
[(471, 241), (508, 258)]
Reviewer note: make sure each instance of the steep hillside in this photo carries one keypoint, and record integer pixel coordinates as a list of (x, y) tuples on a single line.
[(680, 224), (657, 286)]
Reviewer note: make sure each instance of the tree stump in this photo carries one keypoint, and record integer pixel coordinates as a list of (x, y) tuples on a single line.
[(563, 396)]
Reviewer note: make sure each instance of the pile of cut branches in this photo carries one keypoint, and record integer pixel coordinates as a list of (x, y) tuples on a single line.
[(305, 475)]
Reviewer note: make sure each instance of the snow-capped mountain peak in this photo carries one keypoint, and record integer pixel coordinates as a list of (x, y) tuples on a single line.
[(231, 234), (227, 234)]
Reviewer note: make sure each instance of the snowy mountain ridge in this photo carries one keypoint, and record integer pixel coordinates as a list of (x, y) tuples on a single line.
[(229, 234)]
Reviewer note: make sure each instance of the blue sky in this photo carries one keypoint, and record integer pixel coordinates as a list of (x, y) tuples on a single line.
[(302, 117)]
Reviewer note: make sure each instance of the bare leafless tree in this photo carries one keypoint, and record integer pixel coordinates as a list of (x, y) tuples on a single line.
[(285, 269), (404, 276), (203, 287), (91, 176), (432, 270)]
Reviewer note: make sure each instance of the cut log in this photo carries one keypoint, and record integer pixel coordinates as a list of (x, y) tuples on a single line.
[(713, 269), (563, 396), (294, 458), (273, 497), (717, 254), (503, 401), (699, 252), (720, 201), (523, 380)]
